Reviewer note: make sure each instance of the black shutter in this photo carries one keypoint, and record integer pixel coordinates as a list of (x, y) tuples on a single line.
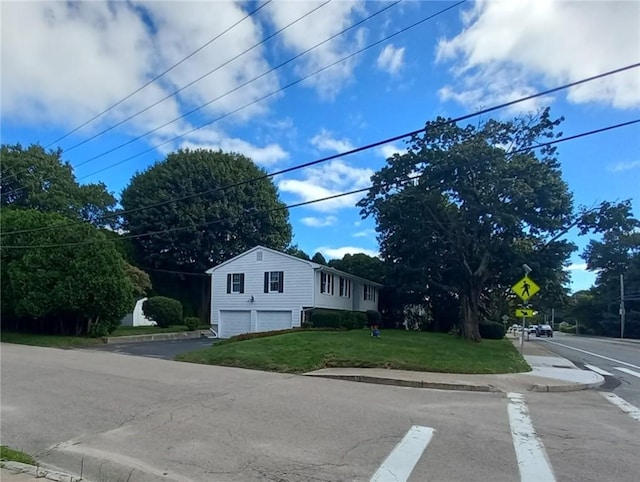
[(332, 283), (242, 283), (364, 291), (229, 283), (281, 283), (266, 281)]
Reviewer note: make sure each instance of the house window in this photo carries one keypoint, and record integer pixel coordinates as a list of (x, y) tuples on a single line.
[(274, 281), (326, 283), (345, 287), (235, 283), (369, 293), (259, 256)]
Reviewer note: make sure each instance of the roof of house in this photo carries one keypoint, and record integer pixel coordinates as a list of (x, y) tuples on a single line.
[(315, 266)]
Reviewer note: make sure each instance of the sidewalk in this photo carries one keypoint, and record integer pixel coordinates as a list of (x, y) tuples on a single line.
[(550, 373), (17, 472)]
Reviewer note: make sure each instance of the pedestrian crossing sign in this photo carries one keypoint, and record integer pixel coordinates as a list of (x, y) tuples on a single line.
[(524, 313), (525, 288)]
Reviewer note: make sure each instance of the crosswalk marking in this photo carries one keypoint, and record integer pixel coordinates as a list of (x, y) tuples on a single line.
[(623, 405), (398, 466), (533, 462), (627, 371), (598, 370)]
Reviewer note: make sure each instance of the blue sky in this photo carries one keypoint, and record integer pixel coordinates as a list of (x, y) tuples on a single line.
[(79, 58)]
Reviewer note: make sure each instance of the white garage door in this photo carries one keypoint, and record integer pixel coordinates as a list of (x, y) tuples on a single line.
[(274, 320), (234, 323)]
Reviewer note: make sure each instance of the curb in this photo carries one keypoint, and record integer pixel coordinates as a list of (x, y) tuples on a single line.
[(410, 383), (39, 472), (540, 387), (181, 335)]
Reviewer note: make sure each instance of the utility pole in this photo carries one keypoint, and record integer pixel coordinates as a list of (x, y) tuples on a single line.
[(622, 313)]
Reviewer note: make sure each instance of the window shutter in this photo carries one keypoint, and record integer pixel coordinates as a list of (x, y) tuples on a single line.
[(229, 283), (332, 283), (281, 285), (266, 281), (364, 290), (242, 283)]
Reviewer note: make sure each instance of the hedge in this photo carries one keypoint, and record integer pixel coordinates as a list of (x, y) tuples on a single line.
[(348, 320), (164, 311), (192, 322), (492, 331)]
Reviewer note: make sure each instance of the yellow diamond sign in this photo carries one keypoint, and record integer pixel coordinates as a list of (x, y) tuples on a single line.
[(525, 288), (523, 313)]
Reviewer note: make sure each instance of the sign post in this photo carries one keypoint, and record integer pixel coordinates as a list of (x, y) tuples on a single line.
[(525, 289)]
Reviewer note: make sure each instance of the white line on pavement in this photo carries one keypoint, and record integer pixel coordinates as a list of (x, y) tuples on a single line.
[(533, 462), (623, 405), (593, 354), (627, 371), (398, 466), (598, 370)]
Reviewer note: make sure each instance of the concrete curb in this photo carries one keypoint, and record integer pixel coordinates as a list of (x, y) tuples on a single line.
[(181, 335), (409, 383), (541, 387), (38, 472)]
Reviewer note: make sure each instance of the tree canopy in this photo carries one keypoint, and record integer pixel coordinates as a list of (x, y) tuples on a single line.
[(362, 265), (207, 224), (465, 207), (79, 288), (33, 178)]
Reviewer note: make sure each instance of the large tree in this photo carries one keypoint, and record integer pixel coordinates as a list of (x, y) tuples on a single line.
[(69, 279), (362, 265), (197, 222), (34, 178), (465, 207)]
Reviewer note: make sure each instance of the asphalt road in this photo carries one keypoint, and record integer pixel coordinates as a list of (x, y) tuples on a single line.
[(119, 418), (620, 359), (166, 350)]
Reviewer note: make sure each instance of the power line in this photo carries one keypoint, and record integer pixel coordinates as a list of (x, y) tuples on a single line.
[(162, 74), (175, 92), (349, 152), (306, 203)]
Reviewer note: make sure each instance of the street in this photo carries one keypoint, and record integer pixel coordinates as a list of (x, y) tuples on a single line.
[(612, 358), (123, 418)]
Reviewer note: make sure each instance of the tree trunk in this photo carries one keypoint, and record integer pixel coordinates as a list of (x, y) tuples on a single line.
[(471, 314)]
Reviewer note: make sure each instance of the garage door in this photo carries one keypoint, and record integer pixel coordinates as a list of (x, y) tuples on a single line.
[(274, 320), (234, 323)]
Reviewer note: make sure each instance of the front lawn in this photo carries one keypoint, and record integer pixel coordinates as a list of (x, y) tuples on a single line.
[(54, 341), (9, 454), (311, 350)]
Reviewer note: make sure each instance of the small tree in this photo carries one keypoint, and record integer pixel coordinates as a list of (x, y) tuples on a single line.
[(164, 311)]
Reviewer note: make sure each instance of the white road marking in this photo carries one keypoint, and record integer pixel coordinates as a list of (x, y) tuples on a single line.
[(623, 405), (533, 462), (594, 354), (398, 466), (627, 371), (598, 370)]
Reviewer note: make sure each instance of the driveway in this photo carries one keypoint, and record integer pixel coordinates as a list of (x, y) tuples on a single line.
[(166, 350)]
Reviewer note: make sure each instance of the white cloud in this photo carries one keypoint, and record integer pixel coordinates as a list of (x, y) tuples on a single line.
[(367, 233), (577, 267), (317, 27), (625, 166), (389, 150), (327, 179), (555, 42), (326, 142), (314, 222), (338, 253), (391, 59)]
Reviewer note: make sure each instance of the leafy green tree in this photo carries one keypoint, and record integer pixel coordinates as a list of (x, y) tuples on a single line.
[(78, 288), (319, 259), (206, 225), (361, 265), (294, 250), (33, 178), (140, 281), (479, 208)]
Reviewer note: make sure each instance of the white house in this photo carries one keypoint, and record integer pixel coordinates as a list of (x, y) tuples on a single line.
[(263, 289)]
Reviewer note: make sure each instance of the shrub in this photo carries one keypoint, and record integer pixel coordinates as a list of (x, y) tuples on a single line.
[(348, 320), (492, 331), (192, 322), (568, 328), (164, 311), (373, 318)]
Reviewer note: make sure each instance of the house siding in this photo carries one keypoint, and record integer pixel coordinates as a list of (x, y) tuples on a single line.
[(336, 302), (297, 290)]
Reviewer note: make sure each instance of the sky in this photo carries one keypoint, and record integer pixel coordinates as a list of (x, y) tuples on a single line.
[(243, 92)]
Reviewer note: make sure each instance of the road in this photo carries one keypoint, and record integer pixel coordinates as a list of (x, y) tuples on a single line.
[(613, 358), (123, 418)]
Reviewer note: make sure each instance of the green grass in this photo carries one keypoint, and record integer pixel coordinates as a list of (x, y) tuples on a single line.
[(8, 454), (312, 350), (54, 341)]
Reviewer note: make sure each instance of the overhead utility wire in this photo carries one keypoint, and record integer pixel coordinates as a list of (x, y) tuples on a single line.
[(175, 92), (306, 203), (346, 153), (160, 75)]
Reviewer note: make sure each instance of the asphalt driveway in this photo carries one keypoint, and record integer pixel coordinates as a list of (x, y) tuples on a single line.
[(166, 350)]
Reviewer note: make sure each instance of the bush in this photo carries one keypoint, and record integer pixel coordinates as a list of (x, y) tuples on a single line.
[(568, 328), (348, 320), (192, 322), (373, 318), (492, 331), (164, 311)]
